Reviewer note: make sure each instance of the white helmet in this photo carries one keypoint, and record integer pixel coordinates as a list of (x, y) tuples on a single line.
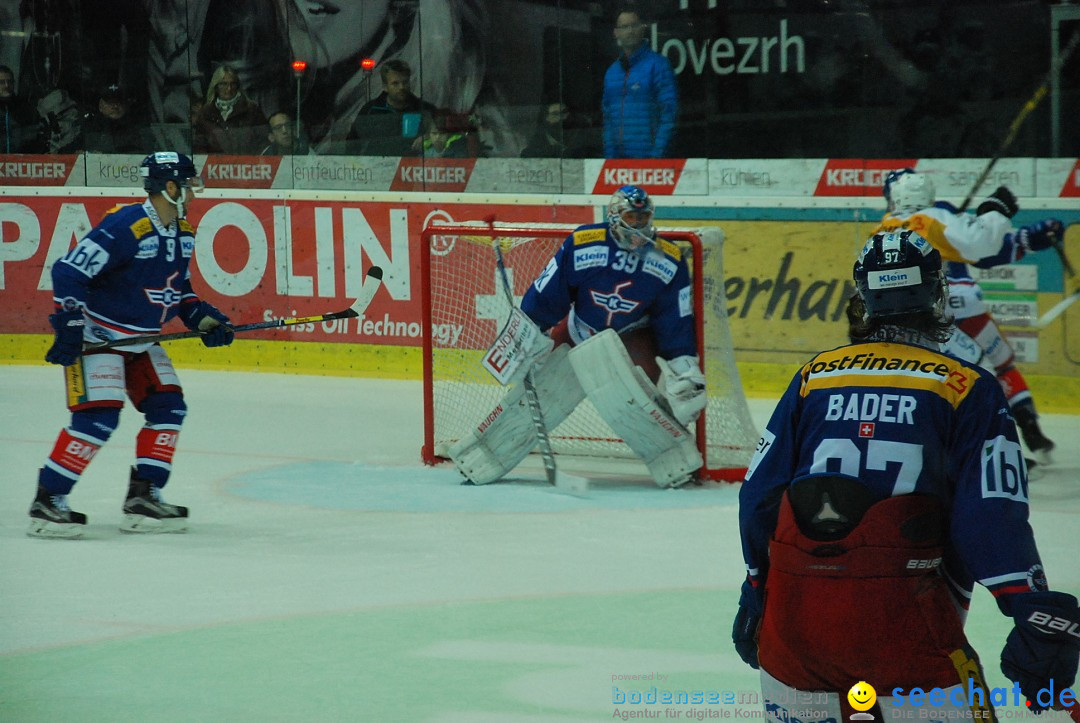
[(906, 190), (629, 215)]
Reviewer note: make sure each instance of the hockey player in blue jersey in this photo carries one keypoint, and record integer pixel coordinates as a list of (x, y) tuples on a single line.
[(889, 481), (984, 239), (127, 277), (614, 301)]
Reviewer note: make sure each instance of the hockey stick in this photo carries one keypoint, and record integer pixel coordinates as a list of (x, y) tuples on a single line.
[(1056, 310), (1025, 111), (372, 281), (571, 485)]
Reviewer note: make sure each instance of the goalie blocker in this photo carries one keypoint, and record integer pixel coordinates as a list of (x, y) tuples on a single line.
[(623, 395)]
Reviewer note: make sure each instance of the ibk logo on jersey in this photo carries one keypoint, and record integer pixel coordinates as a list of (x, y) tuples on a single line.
[(166, 297), (432, 174), (857, 177), (658, 176), (240, 171), (614, 302)]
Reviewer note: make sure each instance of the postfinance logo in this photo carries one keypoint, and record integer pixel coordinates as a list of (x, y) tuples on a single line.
[(862, 697)]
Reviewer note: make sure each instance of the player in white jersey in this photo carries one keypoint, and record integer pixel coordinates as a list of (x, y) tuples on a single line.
[(985, 239), (127, 277)]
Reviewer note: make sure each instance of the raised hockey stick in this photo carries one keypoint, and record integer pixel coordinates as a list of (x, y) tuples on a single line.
[(1026, 110), (565, 483), (1056, 310), (372, 281)]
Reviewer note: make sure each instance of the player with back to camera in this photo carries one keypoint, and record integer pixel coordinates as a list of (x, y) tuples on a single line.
[(984, 240), (889, 481), (616, 307), (127, 277)]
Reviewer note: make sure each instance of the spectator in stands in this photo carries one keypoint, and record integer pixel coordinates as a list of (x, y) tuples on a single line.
[(446, 135), (62, 120), (640, 97), (389, 124), (558, 135), (20, 128), (111, 128), (230, 122), (285, 138)]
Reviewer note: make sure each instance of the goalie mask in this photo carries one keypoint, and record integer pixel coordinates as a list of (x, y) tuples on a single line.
[(908, 191), (159, 168), (630, 215), (899, 273)]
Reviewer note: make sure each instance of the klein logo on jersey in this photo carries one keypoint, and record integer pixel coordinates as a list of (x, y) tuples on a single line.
[(614, 302), (659, 266), (587, 258), (165, 297), (148, 248)]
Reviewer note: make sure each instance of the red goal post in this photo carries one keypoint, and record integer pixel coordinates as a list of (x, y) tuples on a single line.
[(464, 308)]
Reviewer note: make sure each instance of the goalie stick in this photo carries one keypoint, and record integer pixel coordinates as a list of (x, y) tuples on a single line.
[(572, 485), (372, 281)]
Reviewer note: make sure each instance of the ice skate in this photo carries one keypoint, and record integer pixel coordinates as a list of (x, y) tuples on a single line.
[(51, 517), (1039, 445), (145, 510)]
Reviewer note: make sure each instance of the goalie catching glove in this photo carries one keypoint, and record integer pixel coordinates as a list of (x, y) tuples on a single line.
[(1041, 652), (212, 324), (683, 386)]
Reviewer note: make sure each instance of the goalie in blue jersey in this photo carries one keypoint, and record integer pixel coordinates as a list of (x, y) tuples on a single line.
[(889, 481), (127, 277), (615, 307)]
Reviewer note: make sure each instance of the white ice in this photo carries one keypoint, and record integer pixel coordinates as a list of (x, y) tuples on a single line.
[(329, 575)]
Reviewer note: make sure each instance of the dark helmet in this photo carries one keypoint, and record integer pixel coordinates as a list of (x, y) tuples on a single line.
[(159, 168), (898, 273)]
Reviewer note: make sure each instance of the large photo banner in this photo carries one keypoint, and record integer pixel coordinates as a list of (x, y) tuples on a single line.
[(259, 260)]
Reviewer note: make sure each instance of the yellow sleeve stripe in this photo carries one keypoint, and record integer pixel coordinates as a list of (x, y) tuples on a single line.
[(929, 228)]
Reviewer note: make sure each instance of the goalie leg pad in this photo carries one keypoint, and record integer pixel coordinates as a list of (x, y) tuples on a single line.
[(630, 403), (507, 434)]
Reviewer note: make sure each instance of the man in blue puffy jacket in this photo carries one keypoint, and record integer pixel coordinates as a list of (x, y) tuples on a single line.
[(640, 97)]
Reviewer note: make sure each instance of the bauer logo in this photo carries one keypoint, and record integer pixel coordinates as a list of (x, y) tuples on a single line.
[(589, 258), (894, 279)]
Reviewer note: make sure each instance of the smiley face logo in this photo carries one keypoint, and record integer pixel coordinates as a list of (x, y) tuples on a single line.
[(862, 696)]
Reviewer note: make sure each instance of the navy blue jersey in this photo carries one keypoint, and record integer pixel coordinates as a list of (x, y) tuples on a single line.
[(902, 419), (602, 286), (130, 274)]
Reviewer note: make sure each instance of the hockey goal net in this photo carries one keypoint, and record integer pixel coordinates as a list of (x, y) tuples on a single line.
[(464, 309)]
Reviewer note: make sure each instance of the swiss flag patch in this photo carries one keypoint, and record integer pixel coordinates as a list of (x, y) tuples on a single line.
[(866, 429)]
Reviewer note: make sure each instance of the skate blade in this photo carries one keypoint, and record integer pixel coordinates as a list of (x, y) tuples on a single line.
[(54, 530), (141, 524)]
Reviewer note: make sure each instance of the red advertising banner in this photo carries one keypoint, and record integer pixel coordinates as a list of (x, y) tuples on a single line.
[(258, 260), (657, 176), (857, 177), (240, 171), (1071, 187), (31, 170)]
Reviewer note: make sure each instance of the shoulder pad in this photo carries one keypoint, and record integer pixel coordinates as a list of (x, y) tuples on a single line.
[(669, 248), (589, 236), (141, 227), (186, 226)]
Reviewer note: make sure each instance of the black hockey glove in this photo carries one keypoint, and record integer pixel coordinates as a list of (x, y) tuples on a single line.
[(1043, 648), (203, 317), (67, 346), (747, 620), (1001, 200), (1041, 235)]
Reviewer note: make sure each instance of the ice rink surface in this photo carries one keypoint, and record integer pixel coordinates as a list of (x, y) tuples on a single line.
[(329, 576)]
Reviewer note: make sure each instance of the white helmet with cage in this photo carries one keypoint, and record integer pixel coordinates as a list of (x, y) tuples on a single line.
[(630, 216), (907, 191)]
